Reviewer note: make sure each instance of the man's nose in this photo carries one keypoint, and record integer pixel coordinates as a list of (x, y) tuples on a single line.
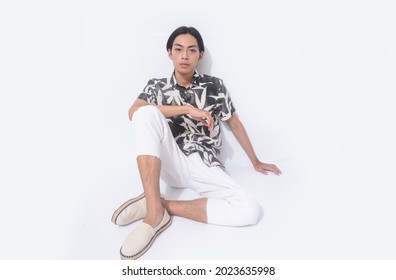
[(185, 54)]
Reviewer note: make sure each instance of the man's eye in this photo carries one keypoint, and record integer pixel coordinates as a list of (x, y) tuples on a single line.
[(177, 49), (193, 50)]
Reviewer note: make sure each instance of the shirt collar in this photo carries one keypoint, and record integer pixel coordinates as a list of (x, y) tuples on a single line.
[(194, 81)]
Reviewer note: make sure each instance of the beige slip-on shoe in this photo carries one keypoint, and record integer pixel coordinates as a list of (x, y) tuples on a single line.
[(130, 211), (142, 237)]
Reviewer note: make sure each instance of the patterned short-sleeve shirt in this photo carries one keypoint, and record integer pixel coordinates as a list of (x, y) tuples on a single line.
[(206, 93)]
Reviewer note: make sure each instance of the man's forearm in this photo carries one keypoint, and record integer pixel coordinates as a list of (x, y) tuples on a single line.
[(171, 111), (241, 135), (204, 117), (167, 111)]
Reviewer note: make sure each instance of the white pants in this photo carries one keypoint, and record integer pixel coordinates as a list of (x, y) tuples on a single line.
[(227, 204)]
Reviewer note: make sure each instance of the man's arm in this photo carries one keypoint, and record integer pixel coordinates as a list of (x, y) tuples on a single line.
[(170, 111), (239, 131)]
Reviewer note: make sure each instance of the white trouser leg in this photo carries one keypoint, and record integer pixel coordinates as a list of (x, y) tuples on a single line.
[(153, 137), (228, 203)]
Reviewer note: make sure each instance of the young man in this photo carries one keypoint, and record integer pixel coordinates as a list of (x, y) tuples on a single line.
[(176, 124)]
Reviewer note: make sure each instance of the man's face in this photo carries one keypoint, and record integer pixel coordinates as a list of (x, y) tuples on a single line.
[(185, 53)]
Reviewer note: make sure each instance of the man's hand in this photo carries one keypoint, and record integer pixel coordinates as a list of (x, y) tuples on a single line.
[(202, 116), (265, 167)]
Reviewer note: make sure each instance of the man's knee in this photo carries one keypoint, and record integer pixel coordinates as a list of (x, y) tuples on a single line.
[(249, 212), (233, 211), (145, 113)]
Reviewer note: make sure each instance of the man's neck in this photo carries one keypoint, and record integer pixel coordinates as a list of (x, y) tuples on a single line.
[(184, 79)]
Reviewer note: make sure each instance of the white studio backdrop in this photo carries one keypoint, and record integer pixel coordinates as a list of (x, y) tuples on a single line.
[(313, 82)]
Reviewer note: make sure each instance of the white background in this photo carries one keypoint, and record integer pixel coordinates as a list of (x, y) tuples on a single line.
[(313, 82)]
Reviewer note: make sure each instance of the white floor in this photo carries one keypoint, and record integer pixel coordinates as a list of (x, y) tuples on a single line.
[(303, 218), (300, 221)]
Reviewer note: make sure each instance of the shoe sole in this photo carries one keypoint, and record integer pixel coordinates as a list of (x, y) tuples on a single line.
[(123, 206), (147, 247)]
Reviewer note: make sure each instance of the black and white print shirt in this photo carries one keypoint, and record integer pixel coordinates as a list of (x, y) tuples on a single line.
[(207, 93)]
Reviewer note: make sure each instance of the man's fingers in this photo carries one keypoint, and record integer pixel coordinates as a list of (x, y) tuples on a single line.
[(277, 170), (208, 121), (205, 121), (262, 170), (268, 167)]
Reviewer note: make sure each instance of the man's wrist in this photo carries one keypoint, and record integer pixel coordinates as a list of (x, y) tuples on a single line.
[(186, 109), (255, 161)]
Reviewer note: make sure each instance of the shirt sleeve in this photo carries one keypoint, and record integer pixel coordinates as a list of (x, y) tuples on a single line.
[(225, 106), (149, 93)]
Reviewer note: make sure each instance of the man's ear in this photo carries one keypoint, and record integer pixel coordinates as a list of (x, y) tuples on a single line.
[(170, 54), (201, 55)]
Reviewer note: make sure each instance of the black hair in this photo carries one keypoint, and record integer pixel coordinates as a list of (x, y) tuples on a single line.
[(185, 30)]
